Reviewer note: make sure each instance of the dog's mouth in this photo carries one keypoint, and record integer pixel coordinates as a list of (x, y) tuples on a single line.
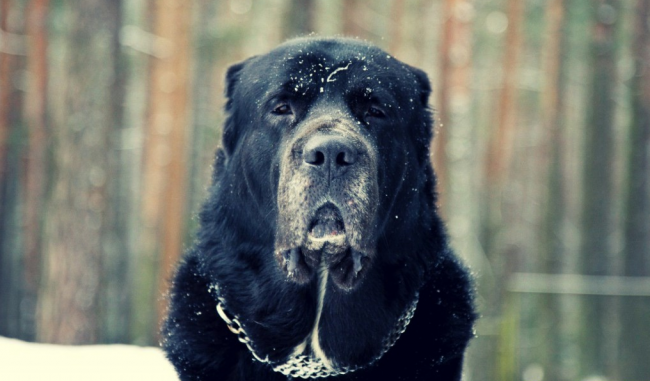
[(327, 224), (326, 235), (326, 243)]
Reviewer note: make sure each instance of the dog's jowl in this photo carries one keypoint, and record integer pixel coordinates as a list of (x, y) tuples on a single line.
[(320, 252)]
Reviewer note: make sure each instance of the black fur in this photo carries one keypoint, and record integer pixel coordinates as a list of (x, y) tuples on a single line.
[(235, 245)]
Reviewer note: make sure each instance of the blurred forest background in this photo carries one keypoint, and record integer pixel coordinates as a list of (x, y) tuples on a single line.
[(111, 111)]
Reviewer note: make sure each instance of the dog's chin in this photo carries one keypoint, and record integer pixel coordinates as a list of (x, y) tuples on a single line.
[(326, 247)]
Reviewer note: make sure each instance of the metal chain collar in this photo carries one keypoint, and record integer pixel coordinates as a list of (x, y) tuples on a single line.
[(307, 366)]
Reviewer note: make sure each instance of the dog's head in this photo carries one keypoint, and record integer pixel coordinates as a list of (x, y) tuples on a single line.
[(330, 140)]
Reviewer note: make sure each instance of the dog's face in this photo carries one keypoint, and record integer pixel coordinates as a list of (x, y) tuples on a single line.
[(333, 132)]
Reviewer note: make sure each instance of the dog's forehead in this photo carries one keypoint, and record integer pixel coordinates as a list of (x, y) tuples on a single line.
[(304, 65), (330, 54)]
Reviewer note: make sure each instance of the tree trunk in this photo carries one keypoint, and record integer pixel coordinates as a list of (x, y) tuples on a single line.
[(559, 345), (454, 89), (596, 220), (164, 177), (36, 164), (142, 272), (5, 85), (442, 117), (396, 29), (501, 142), (77, 214), (500, 214), (635, 311), (354, 19), (299, 19), (553, 112), (206, 123), (265, 27), (12, 63), (6, 63), (454, 152), (116, 292)]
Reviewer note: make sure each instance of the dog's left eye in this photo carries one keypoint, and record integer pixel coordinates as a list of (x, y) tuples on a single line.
[(283, 109), (375, 112)]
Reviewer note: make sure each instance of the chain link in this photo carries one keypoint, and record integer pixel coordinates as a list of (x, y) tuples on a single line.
[(308, 366)]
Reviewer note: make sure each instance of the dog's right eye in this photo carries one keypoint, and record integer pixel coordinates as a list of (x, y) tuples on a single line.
[(283, 109), (375, 112)]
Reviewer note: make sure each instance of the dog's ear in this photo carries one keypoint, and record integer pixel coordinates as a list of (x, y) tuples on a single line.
[(232, 79), (424, 85), (233, 76), (425, 125)]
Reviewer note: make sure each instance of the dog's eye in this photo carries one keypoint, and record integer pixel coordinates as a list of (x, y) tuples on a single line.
[(375, 112), (283, 109)]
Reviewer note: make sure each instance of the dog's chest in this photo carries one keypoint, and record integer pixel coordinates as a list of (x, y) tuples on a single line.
[(308, 359)]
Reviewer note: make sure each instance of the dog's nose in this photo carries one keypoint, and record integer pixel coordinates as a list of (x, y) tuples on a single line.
[(330, 153)]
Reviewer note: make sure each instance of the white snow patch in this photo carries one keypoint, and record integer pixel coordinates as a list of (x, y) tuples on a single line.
[(22, 361), (329, 78)]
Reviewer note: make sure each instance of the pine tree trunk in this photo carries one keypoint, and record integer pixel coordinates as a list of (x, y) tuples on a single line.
[(115, 301), (559, 346), (596, 220), (5, 273), (442, 117), (300, 18), (501, 142), (635, 311), (12, 63), (36, 164), (77, 212), (354, 19), (499, 213), (454, 153), (168, 131), (396, 28), (142, 267), (6, 63), (206, 122)]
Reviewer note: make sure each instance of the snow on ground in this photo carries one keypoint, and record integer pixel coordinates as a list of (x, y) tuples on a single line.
[(21, 361)]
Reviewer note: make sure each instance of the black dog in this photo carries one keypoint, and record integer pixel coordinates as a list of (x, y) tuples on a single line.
[(320, 252)]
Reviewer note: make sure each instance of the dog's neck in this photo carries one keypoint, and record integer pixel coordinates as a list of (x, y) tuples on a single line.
[(308, 359)]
